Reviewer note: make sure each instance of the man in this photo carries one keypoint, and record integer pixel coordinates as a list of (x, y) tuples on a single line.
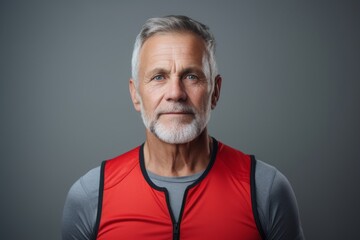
[(181, 183)]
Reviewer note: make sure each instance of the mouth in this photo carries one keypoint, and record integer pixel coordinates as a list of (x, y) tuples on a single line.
[(177, 113)]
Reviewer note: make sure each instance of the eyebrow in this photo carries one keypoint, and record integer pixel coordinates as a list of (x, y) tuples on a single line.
[(186, 70), (156, 71), (192, 69)]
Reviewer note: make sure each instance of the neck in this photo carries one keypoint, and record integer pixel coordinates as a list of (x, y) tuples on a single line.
[(166, 159)]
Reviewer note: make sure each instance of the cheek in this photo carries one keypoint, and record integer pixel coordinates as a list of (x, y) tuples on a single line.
[(150, 102), (202, 100)]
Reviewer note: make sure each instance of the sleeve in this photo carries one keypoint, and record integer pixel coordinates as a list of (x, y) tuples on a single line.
[(284, 215), (276, 204), (80, 209)]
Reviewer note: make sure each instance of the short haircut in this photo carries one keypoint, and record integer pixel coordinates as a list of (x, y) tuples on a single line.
[(169, 24)]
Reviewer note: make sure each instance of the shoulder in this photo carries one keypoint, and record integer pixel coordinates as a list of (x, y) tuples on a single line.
[(265, 175), (80, 207), (87, 186), (90, 181), (276, 203), (271, 184)]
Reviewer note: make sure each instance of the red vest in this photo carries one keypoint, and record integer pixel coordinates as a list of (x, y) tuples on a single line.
[(219, 205)]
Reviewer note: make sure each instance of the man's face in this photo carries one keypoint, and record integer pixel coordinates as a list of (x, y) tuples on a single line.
[(174, 90)]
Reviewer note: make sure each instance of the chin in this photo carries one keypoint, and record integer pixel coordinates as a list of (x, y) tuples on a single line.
[(177, 134)]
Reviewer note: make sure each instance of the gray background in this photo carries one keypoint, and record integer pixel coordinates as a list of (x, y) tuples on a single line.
[(290, 95)]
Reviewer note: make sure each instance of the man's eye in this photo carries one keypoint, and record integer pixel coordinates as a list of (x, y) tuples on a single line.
[(191, 77), (158, 77)]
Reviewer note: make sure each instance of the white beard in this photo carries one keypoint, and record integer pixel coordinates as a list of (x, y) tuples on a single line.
[(176, 132)]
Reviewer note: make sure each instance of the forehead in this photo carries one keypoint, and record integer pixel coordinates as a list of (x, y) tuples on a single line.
[(170, 46)]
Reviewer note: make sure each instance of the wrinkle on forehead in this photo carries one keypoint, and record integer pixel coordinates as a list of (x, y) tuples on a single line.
[(172, 50)]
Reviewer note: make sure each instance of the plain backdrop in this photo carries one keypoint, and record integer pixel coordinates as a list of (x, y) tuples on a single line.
[(290, 95)]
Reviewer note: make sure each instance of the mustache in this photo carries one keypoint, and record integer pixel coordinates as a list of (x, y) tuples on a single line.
[(177, 107)]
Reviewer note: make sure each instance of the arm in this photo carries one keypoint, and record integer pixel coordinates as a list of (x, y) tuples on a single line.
[(277, 206), (80, 208)]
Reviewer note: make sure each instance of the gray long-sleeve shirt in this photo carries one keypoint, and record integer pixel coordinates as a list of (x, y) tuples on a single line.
[(276, 203)]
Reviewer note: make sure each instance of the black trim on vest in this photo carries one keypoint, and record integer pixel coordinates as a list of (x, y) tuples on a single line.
[(253, 197), (176, 225), (144, 172), (213, 154), (153, 185), (100, 200), (208, 168), (162, 189), (211, 163)]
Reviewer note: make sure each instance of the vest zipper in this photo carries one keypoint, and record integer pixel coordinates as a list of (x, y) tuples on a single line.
[(176, 231)]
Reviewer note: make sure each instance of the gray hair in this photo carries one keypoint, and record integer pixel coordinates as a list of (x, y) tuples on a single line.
[(170, 24)]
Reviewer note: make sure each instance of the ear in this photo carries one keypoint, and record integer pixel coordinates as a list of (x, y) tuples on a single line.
[(216, 92), (134, 95)]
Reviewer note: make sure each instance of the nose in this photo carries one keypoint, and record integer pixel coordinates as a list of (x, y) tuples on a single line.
[(176, 90)]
